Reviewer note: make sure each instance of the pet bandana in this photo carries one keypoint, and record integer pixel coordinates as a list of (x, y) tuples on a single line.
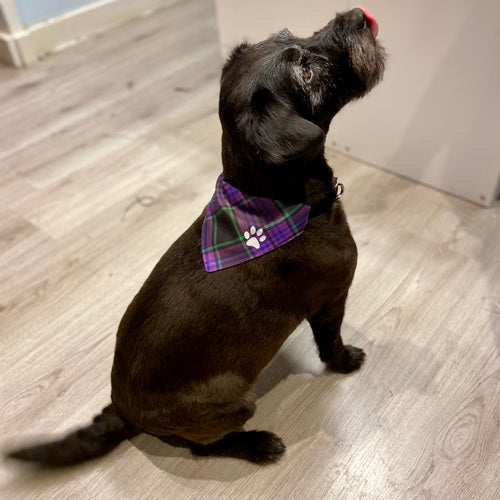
[(239, 227)]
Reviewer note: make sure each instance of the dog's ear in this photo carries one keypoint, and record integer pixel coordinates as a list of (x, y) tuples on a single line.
[(292, 54), (277, 133), (235, 53)]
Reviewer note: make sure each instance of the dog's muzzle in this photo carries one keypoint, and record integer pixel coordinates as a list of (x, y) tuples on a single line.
[(363, 18)]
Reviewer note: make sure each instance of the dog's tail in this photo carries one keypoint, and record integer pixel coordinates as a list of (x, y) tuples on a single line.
[(106, 432)]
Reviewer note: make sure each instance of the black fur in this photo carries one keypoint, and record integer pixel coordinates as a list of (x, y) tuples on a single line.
[(106, 432), (192, 343), (260, 447)]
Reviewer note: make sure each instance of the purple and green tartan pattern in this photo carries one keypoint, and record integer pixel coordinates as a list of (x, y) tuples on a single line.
[(239, 227)]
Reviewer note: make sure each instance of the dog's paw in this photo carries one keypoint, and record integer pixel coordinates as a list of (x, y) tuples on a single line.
[(264, 447), (352, 358), (255, 237), (259, 447)]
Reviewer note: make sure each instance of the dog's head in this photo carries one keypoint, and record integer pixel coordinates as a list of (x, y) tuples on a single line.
[(279, 96)]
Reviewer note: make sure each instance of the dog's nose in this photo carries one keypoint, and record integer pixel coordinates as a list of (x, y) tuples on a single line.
[(362, 18), (358, 18)]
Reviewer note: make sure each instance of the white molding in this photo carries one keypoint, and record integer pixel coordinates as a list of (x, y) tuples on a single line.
[(27, 45), (10, 15), (8, 51)]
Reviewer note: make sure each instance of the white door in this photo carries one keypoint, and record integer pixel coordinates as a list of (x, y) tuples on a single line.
[(435, 118)]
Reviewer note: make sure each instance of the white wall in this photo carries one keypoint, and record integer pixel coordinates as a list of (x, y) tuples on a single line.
[(436, 116), (35, 11)]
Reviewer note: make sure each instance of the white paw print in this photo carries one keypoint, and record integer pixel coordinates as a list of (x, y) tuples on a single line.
[(254, 238)]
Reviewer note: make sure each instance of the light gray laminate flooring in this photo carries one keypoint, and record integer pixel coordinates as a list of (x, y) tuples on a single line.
[(108, 151)]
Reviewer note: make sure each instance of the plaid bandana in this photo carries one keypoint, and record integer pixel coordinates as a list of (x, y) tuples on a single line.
[(239, 227)]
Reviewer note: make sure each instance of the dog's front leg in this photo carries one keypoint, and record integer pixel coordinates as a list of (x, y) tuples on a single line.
[(326, 329)]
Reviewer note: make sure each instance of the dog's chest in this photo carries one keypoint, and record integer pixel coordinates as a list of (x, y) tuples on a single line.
[(330, 250), (320, 263)]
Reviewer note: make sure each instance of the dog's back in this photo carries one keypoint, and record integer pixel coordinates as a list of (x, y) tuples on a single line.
[(191, 331)]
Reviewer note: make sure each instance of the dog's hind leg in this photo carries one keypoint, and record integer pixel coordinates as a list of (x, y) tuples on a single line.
[(219, 431), (326, 329), (260, 447)]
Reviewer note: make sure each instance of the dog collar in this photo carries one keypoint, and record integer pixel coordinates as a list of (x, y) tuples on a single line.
[(239, 227), (325, 203)]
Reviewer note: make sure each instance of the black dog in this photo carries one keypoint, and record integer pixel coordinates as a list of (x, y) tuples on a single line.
[(192, 343)]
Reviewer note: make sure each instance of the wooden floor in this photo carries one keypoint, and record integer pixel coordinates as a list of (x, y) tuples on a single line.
[(108, 151)]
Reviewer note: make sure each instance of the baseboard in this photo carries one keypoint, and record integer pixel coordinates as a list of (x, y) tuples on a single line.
[(27, 46), (8, 51)]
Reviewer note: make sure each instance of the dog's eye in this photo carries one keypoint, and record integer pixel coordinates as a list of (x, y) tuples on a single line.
[(307, 75)]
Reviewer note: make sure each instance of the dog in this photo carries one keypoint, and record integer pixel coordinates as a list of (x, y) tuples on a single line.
[(193, 340)]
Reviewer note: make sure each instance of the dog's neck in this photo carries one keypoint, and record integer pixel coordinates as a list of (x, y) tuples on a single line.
[(304, 183)]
